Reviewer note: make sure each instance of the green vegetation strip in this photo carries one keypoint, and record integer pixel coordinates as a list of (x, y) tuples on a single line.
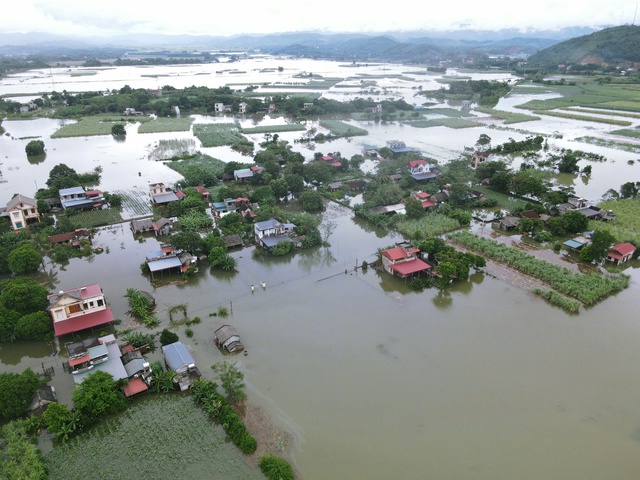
[(19, 455), (447, 112), (585, 118), (218, 134), (602, 112), (627, 132), (443, 122), (95, 218), (163, 437), (161, 124), (508, 117), (624, 146), (554, 298), (86, 127), (429, 225), (589, 289), (342, 129), (135, 202), (288, 127), (626, 227), (504, 201)]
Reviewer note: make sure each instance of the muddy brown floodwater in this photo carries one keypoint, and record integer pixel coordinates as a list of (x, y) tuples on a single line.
[(370, 379)]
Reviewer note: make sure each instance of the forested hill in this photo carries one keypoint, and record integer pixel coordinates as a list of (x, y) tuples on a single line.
[(609, 46)]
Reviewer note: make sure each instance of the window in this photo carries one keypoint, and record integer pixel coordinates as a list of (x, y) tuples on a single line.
[(60, 314), (75, 308), (100, 302)]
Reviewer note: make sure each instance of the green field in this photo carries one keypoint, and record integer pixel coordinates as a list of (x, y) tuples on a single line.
[(342, 129), (508, 117), (585, 118), (429, 225), (218, 134), (626, 226), (95, 218), (627, 132), (624, 146), (161, 124), (161, 437), (443, 122), (287, 127), (94, 125), (505, 201), (603, 112), (135, 203), (166, 149), (447, 112)]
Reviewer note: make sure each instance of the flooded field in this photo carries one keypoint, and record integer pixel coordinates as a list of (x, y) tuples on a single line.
[(374, 381)]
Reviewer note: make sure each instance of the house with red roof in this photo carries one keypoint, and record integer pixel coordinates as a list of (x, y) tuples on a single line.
[(478, 158), (424, 198), (402, 260), (206, 196), (421, 170), (621, 253), (79, 309)]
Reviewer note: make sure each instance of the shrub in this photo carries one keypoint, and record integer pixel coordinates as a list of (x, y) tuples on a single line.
[(276, 468), (34, 147), (188, 332), (168, 337)]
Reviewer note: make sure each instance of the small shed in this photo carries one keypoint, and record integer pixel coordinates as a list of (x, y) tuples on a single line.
[(42, 399), (233, 241), (228, 338)]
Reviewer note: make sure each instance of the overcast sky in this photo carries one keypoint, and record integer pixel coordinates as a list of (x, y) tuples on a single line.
[(224, 17)]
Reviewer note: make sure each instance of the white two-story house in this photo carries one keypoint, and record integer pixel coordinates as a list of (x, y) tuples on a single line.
[(79, 309), (271, 232), (421, 170), (22, 211)]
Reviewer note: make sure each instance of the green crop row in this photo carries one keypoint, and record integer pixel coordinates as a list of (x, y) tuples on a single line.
[(589, 289), (342, 129)]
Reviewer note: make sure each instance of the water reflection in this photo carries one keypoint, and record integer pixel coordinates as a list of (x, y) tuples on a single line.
[(36, 159), (442, 300), (311, 259)]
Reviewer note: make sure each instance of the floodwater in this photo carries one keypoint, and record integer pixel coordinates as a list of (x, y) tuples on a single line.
[(480, 381)]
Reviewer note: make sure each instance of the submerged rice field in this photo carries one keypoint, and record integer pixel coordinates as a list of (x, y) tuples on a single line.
[(163, 437)]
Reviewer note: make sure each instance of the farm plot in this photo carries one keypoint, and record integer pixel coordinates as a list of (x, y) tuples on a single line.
[(95, 218), (449, 122), (167, 149), (161, 124), (135, 203), (90, 126), (218, 134), (342, 129), (162, 437)]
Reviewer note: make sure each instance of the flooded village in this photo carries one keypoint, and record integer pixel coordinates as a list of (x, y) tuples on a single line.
[(342, 356)]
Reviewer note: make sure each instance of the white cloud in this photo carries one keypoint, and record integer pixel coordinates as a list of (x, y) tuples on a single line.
[(80, 17)]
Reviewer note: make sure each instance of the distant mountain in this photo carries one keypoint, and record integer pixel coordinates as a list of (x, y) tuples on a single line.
[(416, 46), (610, 46)]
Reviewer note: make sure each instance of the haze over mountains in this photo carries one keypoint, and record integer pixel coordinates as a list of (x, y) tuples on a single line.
[(410, 46)]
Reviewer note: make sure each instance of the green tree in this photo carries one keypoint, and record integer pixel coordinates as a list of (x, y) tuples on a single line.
[(280, 187), (16, 391), (190, 241), (318, 172), (232, 380), (413, 208), (34, 147), (167, 337), (601, 241), (295, 182), (23, 295), (219, 258), (500, 181), (447, 271), (311, 201), (56, 418), (118, 130), (575, 222), (98, 396), (24, 259), (34, 326)]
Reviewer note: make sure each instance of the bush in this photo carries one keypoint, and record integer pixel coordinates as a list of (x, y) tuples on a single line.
[(188, 332), (276, 468), (34, 147), (167, 337)]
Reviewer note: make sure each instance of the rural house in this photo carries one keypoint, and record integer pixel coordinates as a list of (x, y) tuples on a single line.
[(421, 170), (402, 260), (79, 309), (178, 359), (76, 198), (621, 253), (22, 211), (227, 337), (161, 195), (271, 232)]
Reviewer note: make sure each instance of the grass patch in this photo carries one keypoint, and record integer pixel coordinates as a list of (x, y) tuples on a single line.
[(508, 117), (200, 169), (626, 226), (162, 124), (627, 132), (429, 225), (342, 129), (603, 112), (95, 218), (218, 134), (589, 289), (584, 118), (164, 437), (287, 127), (167, 149), (443, 122), (506, 202)]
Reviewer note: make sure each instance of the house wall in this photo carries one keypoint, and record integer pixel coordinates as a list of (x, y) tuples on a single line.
[(67, 308)]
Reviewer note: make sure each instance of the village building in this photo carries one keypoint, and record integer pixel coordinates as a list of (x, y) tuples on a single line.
[(161, 195), (77, 198), (79, 309), (139, 225), (233, 241), (508, 223), (479, 157), (271, 232), (178, 359), (226, 337), (621, 253), (389, 209), (103, 355), (424, 198), (242, 108), (206, 196), (22, 211), (421, 170), (398, 147), (73, 238), (402, 260), (40, 400)]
